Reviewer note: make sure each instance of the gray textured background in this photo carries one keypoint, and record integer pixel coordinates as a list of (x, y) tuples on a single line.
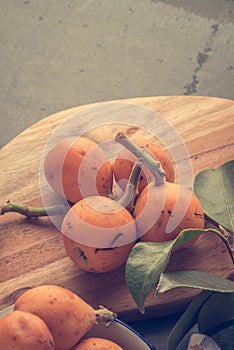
[(60, 54)]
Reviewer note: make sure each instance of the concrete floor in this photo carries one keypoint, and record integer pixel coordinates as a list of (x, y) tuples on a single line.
[(60, 54)]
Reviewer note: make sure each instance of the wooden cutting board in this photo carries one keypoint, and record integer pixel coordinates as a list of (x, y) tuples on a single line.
[(31, 250)]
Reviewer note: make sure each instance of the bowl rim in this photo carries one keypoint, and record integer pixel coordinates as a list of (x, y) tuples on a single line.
[(135, 332)]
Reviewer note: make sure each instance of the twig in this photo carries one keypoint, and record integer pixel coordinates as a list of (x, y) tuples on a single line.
[(153, 165), (30, 211), (225, 232), (128, 198)]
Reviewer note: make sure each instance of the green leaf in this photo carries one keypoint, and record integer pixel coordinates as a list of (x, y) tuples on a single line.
[(144, 266), (215, 190), (148, 260), (210, 284), (187, 320), (217, 313), (193, 279), (206, 310)]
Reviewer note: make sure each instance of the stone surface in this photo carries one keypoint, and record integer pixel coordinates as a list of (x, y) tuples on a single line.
[(59, 54)]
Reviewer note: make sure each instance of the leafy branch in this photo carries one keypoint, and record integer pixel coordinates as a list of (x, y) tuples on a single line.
[(150, 259)]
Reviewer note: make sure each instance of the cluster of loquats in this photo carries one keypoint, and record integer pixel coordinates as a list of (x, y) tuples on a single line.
[(100, 228)]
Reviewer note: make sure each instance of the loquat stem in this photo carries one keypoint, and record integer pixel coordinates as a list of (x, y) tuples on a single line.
[(127, 200), (153, 165), (30, 211), (105, 315), (228, 235)]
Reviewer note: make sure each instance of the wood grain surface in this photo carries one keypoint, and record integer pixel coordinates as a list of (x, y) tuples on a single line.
[(31, 250)]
